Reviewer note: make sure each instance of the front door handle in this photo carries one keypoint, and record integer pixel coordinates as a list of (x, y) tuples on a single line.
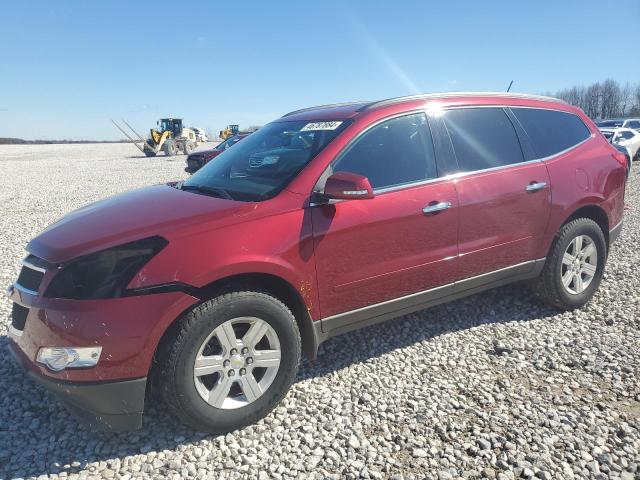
[(436, 207), (535, 186)]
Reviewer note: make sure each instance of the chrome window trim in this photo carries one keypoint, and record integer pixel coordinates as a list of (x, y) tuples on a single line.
[(453, 176)]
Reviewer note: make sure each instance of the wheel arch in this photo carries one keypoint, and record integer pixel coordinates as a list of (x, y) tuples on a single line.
[(263, 282), (593, 212)]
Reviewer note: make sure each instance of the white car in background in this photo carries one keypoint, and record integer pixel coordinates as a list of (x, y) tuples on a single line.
[(624, 139), (201, 135), (633, 123)]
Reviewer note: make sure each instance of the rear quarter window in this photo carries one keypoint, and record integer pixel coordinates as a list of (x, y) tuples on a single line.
[(551, 131)]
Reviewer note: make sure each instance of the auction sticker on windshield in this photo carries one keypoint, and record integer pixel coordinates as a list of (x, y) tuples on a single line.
[(321, 126)]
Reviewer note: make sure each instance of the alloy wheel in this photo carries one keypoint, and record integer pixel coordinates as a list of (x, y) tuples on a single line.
[(237, 362), (579, 264)]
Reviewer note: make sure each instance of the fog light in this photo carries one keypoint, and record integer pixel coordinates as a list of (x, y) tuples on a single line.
[(59, 358)]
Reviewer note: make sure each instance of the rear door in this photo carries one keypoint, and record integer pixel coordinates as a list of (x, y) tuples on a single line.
[(504, 200), (402, 242)]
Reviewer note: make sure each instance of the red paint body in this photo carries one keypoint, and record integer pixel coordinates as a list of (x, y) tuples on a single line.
[(338, 257)]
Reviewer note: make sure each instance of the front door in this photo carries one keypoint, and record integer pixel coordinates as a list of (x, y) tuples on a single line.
[(400, 243)]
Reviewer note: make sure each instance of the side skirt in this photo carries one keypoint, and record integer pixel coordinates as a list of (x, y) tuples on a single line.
[(372, 314)]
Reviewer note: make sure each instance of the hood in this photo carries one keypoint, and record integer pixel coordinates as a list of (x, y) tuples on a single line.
[(156, 210)]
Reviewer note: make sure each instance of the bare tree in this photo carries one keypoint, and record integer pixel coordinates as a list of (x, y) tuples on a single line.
[(626, 99), (592, 100), (610, 99), (604, 99), (635, 108)]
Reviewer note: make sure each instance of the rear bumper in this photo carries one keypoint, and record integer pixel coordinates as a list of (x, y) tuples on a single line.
[(113, 406)]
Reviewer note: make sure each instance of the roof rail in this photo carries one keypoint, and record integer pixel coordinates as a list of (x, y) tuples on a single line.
[(329, 105), (426, 96)]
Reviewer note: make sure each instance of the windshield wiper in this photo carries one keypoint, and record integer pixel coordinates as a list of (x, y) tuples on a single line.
[(212, 191)]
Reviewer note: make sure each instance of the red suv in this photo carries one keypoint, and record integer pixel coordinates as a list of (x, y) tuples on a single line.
[(328, 219)]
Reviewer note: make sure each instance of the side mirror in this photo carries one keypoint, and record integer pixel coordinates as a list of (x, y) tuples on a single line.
[(347, 186)]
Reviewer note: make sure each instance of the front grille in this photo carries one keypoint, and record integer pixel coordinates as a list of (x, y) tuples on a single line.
[(32, 272), (37, 262), (30, 279), (19, 316)]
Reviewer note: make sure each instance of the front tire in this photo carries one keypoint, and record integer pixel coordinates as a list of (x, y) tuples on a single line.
[(170, 148), (574, 267), (229, 361)]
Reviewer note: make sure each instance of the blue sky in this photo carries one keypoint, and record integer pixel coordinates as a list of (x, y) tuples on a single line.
[(69, 66)]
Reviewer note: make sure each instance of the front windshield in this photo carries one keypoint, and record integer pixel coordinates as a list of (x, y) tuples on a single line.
[(264, 163), (165, 125)]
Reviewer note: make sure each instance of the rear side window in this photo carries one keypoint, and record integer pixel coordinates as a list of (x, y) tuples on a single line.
[(482, 138), (395, 152), (551, 131)]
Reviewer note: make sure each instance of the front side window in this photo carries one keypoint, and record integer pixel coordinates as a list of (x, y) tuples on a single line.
[(482, 138), (551, 131), (393, 153), (261, 165)]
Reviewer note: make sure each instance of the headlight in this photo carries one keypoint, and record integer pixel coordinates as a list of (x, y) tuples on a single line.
[(103, 274)]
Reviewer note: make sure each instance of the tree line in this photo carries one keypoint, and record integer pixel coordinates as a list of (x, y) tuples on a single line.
[(607, 99)]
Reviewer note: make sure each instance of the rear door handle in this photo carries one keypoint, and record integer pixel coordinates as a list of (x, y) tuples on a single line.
[(535, 186), (436, 207)]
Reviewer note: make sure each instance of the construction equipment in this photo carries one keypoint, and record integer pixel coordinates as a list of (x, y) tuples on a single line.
[(170, 137), (230, 131)]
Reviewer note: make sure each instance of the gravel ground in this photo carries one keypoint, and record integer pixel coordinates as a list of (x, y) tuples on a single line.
[(492, 386)]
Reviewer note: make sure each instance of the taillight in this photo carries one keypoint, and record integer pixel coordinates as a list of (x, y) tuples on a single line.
[(621, 158)]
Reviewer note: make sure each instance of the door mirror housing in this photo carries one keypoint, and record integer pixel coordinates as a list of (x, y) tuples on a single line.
[(347, 186)]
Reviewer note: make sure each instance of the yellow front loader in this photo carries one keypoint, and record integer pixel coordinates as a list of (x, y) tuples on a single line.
[(170, 137), (230, 131)]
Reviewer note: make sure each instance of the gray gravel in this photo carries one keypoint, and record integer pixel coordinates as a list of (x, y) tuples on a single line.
[(493, 386)]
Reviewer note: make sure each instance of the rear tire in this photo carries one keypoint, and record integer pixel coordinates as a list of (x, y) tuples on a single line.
[(170, 148), (574, 267), (227, 390)]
